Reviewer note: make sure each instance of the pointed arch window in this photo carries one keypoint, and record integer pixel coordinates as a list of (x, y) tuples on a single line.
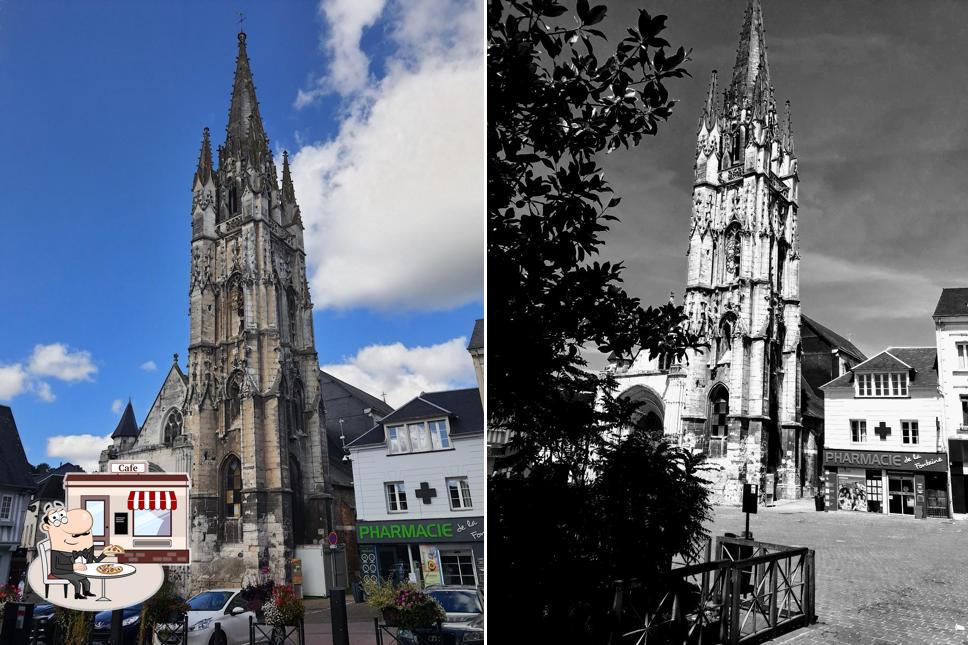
[(233, 200), (233, 400), (173, 426), (717, 428), (291, 312), (296, 410), (237, 311), (733, 252), (230, 492)]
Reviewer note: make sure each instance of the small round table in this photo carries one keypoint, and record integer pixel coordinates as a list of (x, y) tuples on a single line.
[(92, 572)]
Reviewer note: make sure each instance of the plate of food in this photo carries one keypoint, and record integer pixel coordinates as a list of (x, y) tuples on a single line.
[(109, 569)]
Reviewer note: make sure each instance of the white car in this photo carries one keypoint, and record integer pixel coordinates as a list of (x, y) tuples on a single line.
[(223, 606)]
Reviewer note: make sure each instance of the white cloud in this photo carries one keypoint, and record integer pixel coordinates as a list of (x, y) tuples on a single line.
[(418, 134), (149, 366), (117, 405), (58, 361), (81, 449), (44, 393), (13, 381), (55, 361), (403, 373), (349, 68)]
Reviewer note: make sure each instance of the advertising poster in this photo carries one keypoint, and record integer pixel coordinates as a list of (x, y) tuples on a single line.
[(430, 562), (852, 492)]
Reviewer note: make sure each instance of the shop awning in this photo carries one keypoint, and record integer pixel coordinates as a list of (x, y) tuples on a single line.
[(152, 500)]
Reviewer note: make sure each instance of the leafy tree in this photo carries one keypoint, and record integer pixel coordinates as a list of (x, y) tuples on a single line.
[(574, 506), (41, 468)]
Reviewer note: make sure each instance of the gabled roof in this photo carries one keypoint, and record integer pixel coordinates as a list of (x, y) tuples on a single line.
[(833, 338), (15, 470), (60, 471), (379, 406), (461, 407), (477, 337), (885, 361), (922, 360), (128, 425), (348, 403), (953, 302)]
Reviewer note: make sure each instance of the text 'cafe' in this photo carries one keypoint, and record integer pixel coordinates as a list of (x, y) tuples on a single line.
[(896, 483)]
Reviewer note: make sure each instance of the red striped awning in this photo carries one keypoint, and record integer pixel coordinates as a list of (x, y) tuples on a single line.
[(152, 500)]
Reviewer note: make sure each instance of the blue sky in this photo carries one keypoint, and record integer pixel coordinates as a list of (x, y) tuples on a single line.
[(381, 106)]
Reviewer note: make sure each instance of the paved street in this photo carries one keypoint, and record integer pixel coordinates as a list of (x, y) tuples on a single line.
[(880, 579)]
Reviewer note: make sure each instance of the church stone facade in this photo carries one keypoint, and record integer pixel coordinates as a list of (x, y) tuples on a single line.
[(246, 417), (737, 398)]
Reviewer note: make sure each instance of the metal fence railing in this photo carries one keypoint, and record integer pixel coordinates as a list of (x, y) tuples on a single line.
[(276, 634), (752, 592)]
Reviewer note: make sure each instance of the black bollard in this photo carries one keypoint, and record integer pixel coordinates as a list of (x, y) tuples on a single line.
[(116, 617), (337, 611)]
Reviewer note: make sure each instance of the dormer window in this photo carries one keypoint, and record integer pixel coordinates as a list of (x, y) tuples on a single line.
[(962, 356), (882, 384), (418, 436)]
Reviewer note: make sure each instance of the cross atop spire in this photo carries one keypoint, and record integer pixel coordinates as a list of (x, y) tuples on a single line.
[(751, 60), (244, 133)]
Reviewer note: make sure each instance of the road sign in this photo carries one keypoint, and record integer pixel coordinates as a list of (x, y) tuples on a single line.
[(332, 538)]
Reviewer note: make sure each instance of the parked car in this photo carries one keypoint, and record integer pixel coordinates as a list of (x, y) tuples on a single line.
[(223, 606), (464, 625), (130, 625), (42, 632)]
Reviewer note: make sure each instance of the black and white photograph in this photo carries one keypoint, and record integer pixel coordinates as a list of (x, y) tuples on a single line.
[(728, 317)]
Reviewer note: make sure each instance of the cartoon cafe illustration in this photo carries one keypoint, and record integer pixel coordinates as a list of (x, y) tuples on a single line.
[(144, 512)]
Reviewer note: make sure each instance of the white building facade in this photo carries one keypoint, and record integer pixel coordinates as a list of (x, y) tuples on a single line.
[(419, 478), (885, 449), (951, 336)]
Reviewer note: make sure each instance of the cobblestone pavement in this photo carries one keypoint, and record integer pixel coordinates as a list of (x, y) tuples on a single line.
[(881, 580)]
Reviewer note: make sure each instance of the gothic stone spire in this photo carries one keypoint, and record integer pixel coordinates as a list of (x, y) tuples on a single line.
[(244, 134), (710, 111), (288, 191), (204, 171), (787, 134), (751, 60)]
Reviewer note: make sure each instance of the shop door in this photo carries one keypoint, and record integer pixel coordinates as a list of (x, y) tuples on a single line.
[(901, 492), (99, 509), (937, 494)]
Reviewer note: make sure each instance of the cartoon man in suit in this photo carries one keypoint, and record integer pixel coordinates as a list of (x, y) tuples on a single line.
[(71, 546)]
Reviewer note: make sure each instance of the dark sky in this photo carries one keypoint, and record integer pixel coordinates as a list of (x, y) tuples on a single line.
[(880, 117)]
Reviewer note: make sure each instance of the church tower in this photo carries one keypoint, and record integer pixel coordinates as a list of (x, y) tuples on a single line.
[(742, 391), (253, 409)]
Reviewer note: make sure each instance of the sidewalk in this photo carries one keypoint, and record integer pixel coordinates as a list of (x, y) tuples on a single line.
[(319, 628)]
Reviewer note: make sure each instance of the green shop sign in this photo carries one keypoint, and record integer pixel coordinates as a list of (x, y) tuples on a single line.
[(465, 529)]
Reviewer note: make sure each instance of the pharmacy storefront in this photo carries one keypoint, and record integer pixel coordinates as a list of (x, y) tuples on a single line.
[(914, 484), (428, 552)]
